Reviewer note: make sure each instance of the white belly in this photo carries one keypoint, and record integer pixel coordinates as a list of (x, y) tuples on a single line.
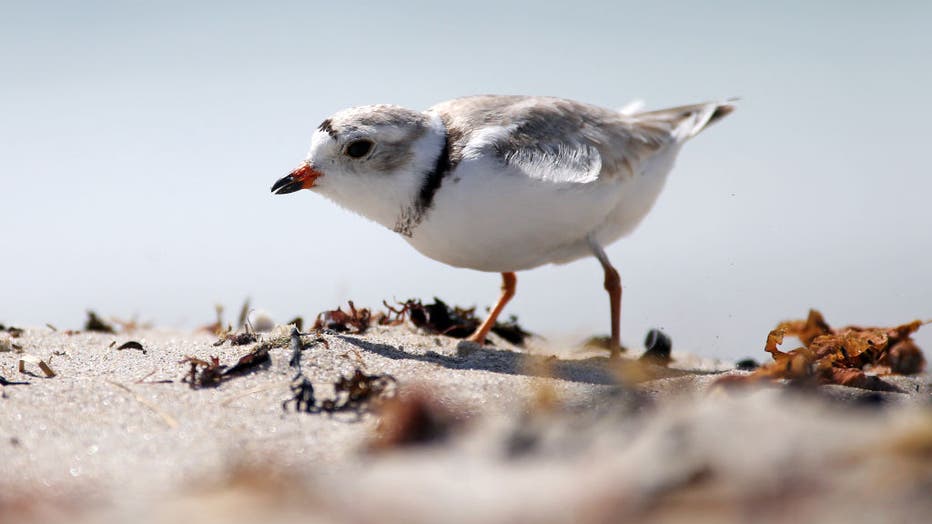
[(488, 220)]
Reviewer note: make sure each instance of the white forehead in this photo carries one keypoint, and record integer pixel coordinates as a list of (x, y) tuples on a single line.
[(320, 142)]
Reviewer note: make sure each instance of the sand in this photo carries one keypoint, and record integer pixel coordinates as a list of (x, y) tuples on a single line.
[(536, 434)]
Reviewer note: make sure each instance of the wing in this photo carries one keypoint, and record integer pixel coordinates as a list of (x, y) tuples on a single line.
[(550, 139)]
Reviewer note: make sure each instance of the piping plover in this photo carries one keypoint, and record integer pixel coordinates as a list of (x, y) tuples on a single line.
[(502, 183)]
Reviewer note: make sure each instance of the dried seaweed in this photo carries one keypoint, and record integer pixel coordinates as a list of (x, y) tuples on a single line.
[(302, 395), (351, 394), (237, 339), (132, 344), (6, 382), (441, 319), (658, 346), (511, 331), (211, 373), (297, 347), (248, 336), (14, 332), (413, 418), (95, 323), (297, 322), (259, 356), (354, 320), (436, 318), (203, 373), (456, 322), (839, 356)]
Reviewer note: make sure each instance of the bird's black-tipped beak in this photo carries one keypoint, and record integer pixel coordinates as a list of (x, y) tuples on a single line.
[(285, 185), (301, 178)]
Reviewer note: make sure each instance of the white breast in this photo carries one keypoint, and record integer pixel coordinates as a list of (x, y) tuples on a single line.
[(488, 219), (492, 219)]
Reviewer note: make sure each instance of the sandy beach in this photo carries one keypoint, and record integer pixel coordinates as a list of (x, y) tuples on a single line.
[(473, 434)]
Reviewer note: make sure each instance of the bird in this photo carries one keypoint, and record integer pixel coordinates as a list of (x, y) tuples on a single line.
[(503, 183)]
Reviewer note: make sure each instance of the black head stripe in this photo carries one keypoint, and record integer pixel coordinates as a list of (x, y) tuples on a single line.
[(327, 127)]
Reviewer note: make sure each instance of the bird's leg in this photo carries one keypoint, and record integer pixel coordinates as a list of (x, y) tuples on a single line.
[(613, 286), (509, 280)]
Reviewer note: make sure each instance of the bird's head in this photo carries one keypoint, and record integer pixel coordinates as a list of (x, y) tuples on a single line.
[(370, 159)]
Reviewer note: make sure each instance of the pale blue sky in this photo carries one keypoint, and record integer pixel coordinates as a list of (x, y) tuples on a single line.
[(138, 142)]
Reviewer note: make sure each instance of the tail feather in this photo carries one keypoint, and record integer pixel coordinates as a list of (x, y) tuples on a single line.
[(688, 121)]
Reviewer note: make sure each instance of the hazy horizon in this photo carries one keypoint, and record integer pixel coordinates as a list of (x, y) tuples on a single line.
[(138, 144)]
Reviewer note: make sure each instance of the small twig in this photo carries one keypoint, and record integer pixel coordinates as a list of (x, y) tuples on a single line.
[(168, 419)]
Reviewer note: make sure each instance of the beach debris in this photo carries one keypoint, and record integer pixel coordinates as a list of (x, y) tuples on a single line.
[(344, 321), (259, 356), (412, 418), (6, 343), (7, 382), (746, 364), (32, 359), (298, 346), (839, 356), (14, 332), (511, 331), (658, 346), (132, 344), (302, 395), (297, 322), (50, 326), (436, 318), (248, 336), (457, 322), (237, 339), (202, 373), (210, 373), (95, 323), (355, 393), (441, 319), (905, 358), (359, 389)]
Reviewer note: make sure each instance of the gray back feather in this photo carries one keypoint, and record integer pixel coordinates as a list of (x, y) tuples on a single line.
[(563, 140)]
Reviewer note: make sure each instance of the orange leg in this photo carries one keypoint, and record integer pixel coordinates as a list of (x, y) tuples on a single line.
[(613, 286), (509, 280)]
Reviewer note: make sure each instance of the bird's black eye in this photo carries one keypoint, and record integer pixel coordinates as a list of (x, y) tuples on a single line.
[(358, 148)]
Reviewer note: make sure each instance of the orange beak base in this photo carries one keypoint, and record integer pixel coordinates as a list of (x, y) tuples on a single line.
[(301, 178)]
